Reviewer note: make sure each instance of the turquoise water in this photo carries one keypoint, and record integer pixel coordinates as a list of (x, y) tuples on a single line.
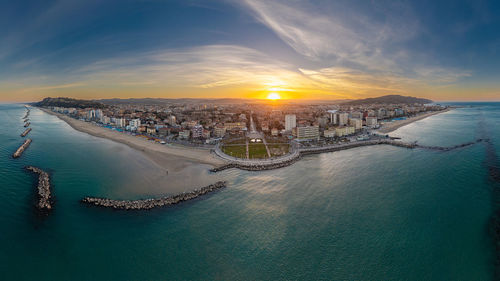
[(372, 213)]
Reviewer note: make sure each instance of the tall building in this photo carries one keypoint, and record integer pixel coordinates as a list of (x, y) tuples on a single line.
[(333, 116), (343, 119), (290, 122)]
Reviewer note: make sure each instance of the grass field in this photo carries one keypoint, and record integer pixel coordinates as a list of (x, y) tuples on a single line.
[(239, 151), (278, 149), (257, 150), (236, 141)]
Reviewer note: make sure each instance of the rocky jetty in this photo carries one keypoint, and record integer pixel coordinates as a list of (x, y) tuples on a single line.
[(43, 188), (448, 148), (22, 148), (146, 204), (27, 124), (255, 166), (26, 132)]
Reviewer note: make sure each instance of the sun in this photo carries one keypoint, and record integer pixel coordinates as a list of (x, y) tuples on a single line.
[(273, 96)]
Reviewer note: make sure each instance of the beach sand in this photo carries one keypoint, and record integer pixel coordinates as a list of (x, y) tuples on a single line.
[(185, 168), (392, 126)]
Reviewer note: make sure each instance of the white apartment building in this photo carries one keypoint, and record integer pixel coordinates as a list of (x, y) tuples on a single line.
[(290, 122)]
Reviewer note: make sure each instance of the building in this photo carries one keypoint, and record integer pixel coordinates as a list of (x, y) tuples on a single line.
[(329, 133), (333, 116), (171, 120), (151, 130), (219, 131), (371, 122), (290, 122), (235, 125), (344, 131), (120, 122), (184, 134), (197, 131), (206, 134), (343, 119), (356, 123), (307, 133), (135, 123), (274, 131)]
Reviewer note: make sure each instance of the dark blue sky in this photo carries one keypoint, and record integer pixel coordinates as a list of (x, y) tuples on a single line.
[(445, 50)]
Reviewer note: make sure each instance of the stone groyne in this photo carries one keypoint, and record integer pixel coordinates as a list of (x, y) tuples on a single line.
[(448, 148), (22, 148), (146, 204), (26, 124), (43, 188), (26, 132), (255, 166)]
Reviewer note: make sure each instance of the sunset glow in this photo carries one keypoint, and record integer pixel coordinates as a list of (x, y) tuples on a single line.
[(273, 96), (332, 57)]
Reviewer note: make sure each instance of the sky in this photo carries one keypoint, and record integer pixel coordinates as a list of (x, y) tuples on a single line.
[(442, 50)]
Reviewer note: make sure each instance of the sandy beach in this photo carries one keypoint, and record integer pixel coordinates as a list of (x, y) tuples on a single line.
[(185, 167), (392, 126)]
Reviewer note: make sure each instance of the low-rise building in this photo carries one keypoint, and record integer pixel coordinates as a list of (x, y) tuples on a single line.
[(306, 132), (184, 134)]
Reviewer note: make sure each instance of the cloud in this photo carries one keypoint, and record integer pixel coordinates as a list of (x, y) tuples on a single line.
[(203, 67), (324, 34)]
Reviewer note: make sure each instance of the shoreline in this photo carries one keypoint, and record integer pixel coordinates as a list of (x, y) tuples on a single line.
[(392, 126), (191, 154), (184, 168)]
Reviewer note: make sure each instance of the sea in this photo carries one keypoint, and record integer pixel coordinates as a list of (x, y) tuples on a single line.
[(369, 213)]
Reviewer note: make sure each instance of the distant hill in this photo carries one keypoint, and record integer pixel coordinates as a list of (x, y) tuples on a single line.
[(389, 99), (69, 102)]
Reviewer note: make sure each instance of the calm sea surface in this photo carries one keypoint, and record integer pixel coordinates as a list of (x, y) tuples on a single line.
[(373, 213)]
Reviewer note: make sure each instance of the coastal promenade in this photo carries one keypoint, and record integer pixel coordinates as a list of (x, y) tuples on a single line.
[(298, 152)]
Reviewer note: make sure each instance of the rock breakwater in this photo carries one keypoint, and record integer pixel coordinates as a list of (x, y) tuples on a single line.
[(27, 124), (26, 132), (22, 148), (146, 204), (43, 188)]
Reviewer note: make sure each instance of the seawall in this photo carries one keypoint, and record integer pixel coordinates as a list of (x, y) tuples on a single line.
[(252, 166)]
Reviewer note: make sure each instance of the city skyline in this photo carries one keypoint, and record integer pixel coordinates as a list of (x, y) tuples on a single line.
[(249, 49)]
